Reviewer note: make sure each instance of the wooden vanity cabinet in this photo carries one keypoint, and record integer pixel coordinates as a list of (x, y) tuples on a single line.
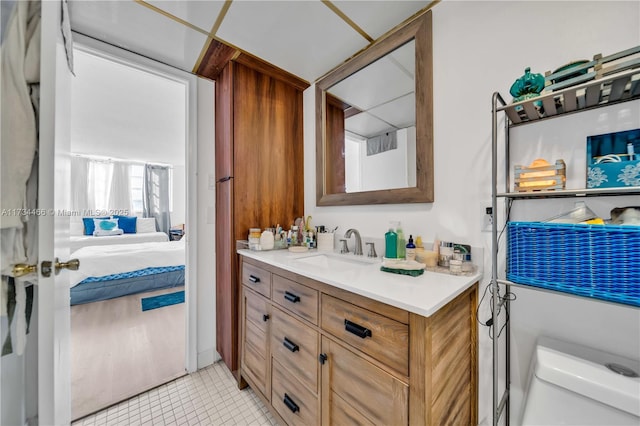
[(336, 358)]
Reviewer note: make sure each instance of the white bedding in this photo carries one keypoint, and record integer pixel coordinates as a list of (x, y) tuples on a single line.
[(98, 261), (78, 242)]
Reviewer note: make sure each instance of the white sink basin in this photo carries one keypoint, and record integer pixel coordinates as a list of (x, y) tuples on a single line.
[(335, 262)]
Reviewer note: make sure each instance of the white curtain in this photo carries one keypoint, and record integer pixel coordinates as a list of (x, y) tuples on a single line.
[(120, 191), (80, 197), (100, 185)]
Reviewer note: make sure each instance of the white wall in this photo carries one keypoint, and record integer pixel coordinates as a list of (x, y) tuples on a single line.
[(481, 47), (179, 195), (206, 226), (383, 170), (124, 112)]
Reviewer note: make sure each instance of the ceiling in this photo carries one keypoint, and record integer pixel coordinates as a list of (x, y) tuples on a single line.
[(307, 38), (383, 93)]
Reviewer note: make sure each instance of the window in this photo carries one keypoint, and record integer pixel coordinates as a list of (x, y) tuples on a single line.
[(136, 175)]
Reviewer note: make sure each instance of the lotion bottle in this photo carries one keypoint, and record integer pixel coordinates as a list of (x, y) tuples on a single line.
[(411, 249), (391, 243)]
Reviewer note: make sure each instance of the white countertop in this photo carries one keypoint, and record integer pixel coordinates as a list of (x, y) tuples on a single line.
[(422, 295)]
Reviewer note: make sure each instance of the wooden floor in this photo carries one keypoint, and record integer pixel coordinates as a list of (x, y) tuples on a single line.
[(118, 351)]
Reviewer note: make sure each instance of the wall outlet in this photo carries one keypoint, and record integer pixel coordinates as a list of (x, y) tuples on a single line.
[(487, 219)]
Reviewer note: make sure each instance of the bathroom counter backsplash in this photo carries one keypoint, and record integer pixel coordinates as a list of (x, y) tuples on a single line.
[(423, 295)]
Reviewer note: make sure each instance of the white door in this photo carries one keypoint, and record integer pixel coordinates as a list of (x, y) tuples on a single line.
[(54, 407)]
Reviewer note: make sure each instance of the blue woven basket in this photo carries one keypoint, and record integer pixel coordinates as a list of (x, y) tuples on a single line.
[(597, 261)]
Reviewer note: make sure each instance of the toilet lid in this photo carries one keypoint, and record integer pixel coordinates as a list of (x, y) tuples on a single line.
[(584, 371)]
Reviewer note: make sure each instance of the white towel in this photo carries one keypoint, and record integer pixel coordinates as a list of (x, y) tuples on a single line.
[(20, 67), (20, 338), (19, 79)]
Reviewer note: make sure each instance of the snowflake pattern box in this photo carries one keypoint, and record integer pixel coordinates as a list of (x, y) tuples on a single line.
[(613, 160)]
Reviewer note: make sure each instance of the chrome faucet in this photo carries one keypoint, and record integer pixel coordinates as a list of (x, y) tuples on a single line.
[(358, 249)]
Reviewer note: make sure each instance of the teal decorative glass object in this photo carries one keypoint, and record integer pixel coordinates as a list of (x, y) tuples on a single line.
[(528, 86)]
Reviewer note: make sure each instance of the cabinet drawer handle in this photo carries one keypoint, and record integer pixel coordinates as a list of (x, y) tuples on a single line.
[(265, 318), (322, 358), (291, 297), (290, 345), (254, 279), (289, 403), (356, 329)]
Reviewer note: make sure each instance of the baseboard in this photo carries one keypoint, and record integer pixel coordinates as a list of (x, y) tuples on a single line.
[(207, 357)]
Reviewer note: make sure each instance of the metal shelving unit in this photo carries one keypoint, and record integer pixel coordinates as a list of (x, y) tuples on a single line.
[(610, 89)]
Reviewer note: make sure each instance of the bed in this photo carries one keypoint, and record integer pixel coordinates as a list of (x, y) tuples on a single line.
[(145, 233), (80, 241), (110, 271)]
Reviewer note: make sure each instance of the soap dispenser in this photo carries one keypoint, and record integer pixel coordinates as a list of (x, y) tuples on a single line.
[(402, 242), (391, 243)]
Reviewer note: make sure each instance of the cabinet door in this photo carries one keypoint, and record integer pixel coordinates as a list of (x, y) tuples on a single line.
[(268, 151), (226, 287), (255, 340), (224, 123), (354, 391)]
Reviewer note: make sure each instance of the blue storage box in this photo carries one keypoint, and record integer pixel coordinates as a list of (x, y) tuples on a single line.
[(597, 261), (613, 160)]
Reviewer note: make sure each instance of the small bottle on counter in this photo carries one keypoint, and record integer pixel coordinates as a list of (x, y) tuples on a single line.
[(267, 240), (455, 264), (411, 249), (294, 235), (402, 243), (446, 253), (467, 264), (254, 238)]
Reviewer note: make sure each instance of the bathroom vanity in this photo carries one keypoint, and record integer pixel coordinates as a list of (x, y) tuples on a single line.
[(330, 339)]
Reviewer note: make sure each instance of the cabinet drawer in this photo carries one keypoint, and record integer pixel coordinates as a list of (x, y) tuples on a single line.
[(354, 391), (295, 403), (295, 346), (380, 337), (256, 310), (297, 298), (256, 279)]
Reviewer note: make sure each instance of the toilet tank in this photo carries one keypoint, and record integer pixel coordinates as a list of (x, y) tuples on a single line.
[(575, 385)]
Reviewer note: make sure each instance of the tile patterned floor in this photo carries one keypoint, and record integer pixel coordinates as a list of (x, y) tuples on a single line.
[(210, 396)]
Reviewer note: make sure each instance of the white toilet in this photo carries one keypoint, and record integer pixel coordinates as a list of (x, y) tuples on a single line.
[(575, 385)]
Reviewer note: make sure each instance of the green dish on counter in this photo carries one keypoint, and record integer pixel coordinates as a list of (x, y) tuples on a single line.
[(412, 272)]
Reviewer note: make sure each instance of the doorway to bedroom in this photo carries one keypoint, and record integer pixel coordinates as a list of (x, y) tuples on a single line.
[(128, 220)]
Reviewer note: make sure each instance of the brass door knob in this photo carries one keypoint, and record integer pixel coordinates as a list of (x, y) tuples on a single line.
[(22, 269), (72, 265)]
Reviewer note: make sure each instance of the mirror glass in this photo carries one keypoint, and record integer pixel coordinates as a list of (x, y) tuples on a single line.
[(374, 127), (378, 104)]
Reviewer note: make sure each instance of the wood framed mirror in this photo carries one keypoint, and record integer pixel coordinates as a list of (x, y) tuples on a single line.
[(374, 123)]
